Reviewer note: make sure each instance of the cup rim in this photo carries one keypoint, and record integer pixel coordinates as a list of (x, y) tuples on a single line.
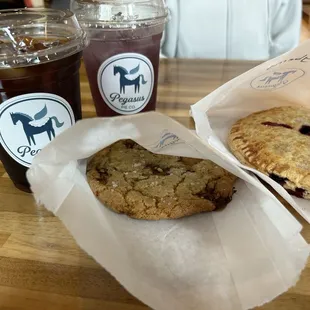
[(76, 34), (118, 22), (105, 24), (67, 13)]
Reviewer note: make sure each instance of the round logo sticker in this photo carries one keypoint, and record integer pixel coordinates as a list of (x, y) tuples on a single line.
[(126, 82), (29, 122), (276, 79)]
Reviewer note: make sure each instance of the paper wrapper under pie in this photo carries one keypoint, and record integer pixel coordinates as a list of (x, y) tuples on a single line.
[(282, 81), (237, 258)]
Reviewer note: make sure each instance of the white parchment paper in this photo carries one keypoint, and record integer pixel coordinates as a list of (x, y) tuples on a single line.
[(234, 259), (283, 81)]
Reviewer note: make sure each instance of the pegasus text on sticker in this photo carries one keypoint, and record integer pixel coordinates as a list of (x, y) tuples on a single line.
[(124, 101), (24, 149)]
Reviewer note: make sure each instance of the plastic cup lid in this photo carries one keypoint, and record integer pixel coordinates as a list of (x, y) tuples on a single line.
[(119, 13), (35, 36)]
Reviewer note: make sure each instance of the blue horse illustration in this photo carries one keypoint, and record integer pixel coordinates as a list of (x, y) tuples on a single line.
[(166, 139), (124, 81), (36, 125), (278, 76)]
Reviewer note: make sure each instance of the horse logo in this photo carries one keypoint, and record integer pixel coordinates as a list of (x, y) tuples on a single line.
[(166, 139), (37, 125), (279, 77), (125, 81), (276, 79)]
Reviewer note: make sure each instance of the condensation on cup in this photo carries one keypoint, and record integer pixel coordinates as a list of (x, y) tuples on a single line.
[(40, 56), (123, 56)]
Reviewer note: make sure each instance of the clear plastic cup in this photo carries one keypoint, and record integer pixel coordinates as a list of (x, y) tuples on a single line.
[(40, 55), (123, 56)]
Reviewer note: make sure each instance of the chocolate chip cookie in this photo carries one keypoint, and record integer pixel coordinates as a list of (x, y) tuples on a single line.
[(277, 143), (129, 179)]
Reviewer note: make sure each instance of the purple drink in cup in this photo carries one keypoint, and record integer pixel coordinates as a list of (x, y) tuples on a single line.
[(122, 59)]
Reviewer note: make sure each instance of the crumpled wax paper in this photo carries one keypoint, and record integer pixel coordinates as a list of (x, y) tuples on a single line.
[(237, 258), (282, 81)]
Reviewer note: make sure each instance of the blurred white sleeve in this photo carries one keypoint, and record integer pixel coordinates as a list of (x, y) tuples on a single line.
[(162, 55), (37, 3), (285, 23), (170, 37)]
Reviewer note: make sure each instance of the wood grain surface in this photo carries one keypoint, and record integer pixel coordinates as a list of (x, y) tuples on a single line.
[(41, 267)]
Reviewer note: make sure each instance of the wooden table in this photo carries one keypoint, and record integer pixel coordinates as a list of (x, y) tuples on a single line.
[(41, 267)]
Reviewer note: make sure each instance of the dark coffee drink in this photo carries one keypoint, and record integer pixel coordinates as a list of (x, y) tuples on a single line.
[(60, 77), (39, 86)]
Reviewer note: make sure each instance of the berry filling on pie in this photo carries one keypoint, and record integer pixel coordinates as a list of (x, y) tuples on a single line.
[(278, 179), (305, 130), (277, 125), (298, 192)]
